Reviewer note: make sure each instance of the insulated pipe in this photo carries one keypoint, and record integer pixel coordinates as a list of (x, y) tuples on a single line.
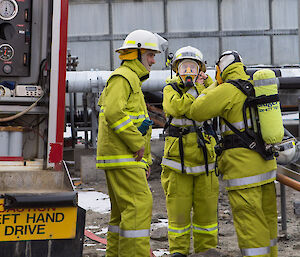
[(289, 83), (288, 181), (94, 81), (86, 81)]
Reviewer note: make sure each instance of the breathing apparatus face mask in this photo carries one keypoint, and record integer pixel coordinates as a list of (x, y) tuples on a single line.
[(188, 71)]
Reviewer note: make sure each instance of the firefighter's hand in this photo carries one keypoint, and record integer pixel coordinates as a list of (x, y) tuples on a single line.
[(139, 154), (148, 172), (202, 76)]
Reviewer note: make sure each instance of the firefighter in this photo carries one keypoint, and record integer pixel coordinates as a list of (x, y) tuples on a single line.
[(123, 149), (188, 178), (249, 178)]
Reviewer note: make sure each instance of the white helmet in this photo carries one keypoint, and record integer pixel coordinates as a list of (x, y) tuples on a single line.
[(188, 52), (142, 39), (289, 151), (227, 58)]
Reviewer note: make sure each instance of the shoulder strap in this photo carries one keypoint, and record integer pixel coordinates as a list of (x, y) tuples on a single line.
[(175, 87), (244, 85), (247, 88)]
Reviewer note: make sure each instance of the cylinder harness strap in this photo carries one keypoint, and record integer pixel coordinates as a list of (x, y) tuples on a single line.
[(201, 144), (209, 128), (174, 131)]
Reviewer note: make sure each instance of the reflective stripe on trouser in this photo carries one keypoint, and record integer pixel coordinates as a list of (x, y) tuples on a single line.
[(255, 219), (131, 208), (185, 193), (231, 183)]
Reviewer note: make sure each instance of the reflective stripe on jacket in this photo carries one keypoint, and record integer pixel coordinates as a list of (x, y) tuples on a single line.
[(122, 110), (240, 167)]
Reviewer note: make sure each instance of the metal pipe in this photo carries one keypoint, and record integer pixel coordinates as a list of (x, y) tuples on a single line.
[(72, 119), (289, 83), (288, 181), (94, 81), (85, 119), (85, 81)]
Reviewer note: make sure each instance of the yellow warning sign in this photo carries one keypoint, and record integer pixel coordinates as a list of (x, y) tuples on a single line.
[(37, 223)]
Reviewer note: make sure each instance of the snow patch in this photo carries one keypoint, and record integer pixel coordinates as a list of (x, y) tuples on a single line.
[(160, 252), (95, 201), (161, 224), (156, 132)]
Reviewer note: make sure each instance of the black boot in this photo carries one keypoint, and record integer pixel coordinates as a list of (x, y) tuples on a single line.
[(178, 255)]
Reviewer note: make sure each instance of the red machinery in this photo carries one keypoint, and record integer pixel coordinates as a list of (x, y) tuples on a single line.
[(38, 204)]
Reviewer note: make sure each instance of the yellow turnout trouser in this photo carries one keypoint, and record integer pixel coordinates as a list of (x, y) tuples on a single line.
[(185, 193), (255, 219), (131, 208)]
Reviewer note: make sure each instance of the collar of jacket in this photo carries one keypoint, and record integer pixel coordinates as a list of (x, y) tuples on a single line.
[(136, 66), (235, 71)]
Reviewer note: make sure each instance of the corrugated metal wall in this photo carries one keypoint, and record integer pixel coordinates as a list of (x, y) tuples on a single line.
[(263, 31)]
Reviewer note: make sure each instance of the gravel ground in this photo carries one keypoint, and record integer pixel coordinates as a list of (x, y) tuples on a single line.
[(288, 243)]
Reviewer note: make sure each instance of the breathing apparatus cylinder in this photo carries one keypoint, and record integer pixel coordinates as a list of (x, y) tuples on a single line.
[(269, 114)]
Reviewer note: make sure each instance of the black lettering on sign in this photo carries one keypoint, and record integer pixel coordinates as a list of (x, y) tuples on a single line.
[(10, 217), (40, 218), (5, 217), (9, 230), (50, 217), (25, 230), (44, 218), (31, 229), (19, 229), (30, 218), (59, 217), (41, 229), (15, 217)]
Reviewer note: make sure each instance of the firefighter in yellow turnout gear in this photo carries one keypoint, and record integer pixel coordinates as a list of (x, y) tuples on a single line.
[(188, 177), (248, 176), (123, 149)]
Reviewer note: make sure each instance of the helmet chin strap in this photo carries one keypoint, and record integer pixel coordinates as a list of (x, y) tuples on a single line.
[(144, 61), (139, 52)]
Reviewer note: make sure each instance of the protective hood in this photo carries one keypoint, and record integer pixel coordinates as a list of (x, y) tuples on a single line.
[(235, 71), (138, 68)]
